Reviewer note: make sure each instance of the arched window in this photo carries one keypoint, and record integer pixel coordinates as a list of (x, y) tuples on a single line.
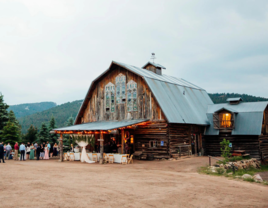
[(132, 96), (120, 89), (109, 97)]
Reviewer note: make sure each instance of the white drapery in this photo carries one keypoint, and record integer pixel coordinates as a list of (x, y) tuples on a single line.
[(84, 157)]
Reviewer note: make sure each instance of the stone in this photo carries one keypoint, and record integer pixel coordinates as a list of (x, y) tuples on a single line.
[(230, 173), (257, 178), (217, 165), (245, 176)]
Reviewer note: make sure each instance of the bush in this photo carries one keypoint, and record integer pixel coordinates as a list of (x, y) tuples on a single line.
[(220, 171), (225, 149)]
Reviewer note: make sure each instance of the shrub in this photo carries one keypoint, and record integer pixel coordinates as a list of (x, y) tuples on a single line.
[(225, 149), (220, 170)]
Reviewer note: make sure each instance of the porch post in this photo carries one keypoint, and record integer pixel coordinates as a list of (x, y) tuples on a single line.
[(195, 146), (122, 141), (61, 148), (101, 145)]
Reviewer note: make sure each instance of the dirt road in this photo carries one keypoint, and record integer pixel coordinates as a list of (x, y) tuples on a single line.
[(144, 184)]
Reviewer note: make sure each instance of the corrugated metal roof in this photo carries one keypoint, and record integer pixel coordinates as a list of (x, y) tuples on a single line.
[(101, 125), (154, 64), (177, 107), (152, 75), (180, 104), (228, 109), (234, 99), (248, 120)]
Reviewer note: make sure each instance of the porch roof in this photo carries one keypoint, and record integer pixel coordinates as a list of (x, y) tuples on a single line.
[(101, 125)]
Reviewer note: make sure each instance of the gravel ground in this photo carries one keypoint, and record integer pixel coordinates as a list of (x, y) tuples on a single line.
[(142, 184)]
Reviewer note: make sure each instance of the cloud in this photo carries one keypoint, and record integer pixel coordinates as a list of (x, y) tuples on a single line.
[(52, 50)]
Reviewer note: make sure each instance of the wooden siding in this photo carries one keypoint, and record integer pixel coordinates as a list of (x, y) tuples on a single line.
[(147, 105), (248, 143), (156, 131)]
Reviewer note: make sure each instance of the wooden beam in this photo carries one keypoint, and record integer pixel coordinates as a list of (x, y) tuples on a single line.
[(61, 148), (122, 140), (101, 146)]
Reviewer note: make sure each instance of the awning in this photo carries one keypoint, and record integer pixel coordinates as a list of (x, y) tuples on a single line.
[(101, 125)]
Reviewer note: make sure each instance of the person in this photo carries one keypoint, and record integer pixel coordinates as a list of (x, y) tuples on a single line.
[(55, 149), (72, 148), (126, 148), (28, 151), (8, 150), (38, 151), (42, 152), (2, 152), (16, 148), (5, 150), (22, 152), (51, 150), (32, 149), (114, 147), (46, 157), (48, 146), (35, 147)]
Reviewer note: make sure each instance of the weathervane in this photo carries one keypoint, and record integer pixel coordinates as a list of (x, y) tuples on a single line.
[(153, 57)]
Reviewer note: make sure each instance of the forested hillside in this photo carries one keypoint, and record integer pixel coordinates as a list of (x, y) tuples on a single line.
[(60, 112), (26, 109), (222, 97)]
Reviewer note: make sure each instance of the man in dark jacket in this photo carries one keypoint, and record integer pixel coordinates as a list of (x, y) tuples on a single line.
[(38, 150), (2, 152)]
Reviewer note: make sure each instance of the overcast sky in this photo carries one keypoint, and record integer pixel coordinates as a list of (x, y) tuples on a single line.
[(51, 50)]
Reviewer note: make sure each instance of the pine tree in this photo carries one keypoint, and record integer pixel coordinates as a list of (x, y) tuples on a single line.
[(52, 125), (66, 138), (3, 114), (10, 133), (43, 135), (31, 135)]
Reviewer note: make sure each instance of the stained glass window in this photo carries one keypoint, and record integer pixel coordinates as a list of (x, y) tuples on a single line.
[(132, 104), (120, 81), (109, 97)]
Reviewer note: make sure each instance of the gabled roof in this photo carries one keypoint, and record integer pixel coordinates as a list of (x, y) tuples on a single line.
[(248, 120), (154, 64), (227, 108), (234, 99), (180, 100)]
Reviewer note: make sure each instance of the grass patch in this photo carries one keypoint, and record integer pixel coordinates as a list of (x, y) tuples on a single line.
[(238, 173)]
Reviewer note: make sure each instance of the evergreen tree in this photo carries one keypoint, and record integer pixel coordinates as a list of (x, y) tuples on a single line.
[(52, 125), (10, 133), (3, 114), (43, 135), (13, 119), (66, 138), (31, 135)]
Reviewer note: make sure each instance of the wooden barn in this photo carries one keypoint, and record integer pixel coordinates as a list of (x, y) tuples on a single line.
[(153, 113), (245, 125)]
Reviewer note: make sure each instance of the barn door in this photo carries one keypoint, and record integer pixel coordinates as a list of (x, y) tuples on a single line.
[(216, 121)]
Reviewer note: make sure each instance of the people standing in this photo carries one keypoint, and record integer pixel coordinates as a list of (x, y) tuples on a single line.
[(28, 151), (5, 150), (35, 147), (38, 151), (46, 157), (49, 147), (32, 149), (55, 151), (42, 151), (2, 152), (16, 148), (22, 152), (8, 150)]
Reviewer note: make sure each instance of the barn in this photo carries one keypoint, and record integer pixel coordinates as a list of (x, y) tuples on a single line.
[(152, 112)]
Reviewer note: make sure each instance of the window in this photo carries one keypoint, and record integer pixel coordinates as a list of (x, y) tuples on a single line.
[(132, 96), (153, 143), (223, 120), (109, 97), (120, 81)]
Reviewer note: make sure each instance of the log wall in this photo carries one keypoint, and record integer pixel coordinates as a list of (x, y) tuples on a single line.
[(248, 143), (157, 131)]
